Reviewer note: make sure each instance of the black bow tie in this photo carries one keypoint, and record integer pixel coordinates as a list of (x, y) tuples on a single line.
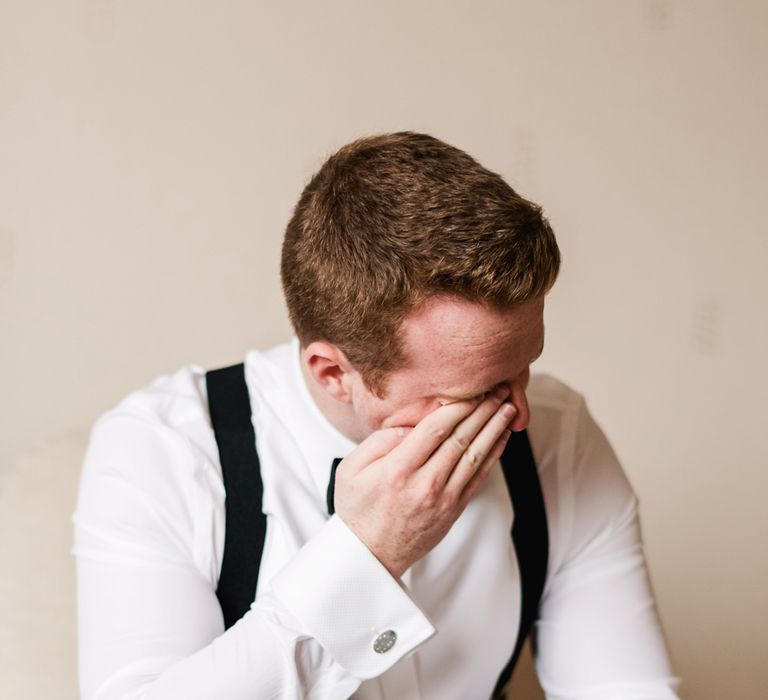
[(332, 486)]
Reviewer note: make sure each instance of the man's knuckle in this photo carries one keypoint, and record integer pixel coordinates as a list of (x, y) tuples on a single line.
[(438, 433), (460, 441), (473, 458)]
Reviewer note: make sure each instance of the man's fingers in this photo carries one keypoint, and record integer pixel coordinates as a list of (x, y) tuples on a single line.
[(464, 443), (432, 431), (482, 447), (472, 486), (374, 447)]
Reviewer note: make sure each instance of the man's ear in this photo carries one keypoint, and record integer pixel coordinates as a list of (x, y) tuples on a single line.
[(330, 369)]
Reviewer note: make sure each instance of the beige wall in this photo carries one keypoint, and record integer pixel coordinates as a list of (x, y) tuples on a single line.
[(150, 153)]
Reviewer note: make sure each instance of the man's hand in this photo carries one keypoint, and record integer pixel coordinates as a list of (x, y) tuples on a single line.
[(401, 491)]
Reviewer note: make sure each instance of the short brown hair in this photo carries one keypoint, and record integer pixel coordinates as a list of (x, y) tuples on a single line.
[(391, 220)]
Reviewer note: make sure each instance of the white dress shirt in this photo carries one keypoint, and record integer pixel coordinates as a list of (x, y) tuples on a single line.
[(149, 540)]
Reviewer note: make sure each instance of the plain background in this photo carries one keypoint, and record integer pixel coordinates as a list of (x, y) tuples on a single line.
[(150, 155)]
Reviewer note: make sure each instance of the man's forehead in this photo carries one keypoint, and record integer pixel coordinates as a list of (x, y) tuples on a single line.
[(460, 347)]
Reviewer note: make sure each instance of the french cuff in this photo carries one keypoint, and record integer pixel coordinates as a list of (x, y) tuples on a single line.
[(343, 597)]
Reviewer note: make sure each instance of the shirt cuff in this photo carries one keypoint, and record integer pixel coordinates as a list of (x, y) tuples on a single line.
[(343, 597)]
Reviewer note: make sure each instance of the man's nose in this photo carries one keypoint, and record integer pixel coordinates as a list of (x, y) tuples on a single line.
[(520, 400)]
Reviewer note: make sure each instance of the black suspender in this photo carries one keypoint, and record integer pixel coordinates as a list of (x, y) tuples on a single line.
[(530, 535), (246, 524)]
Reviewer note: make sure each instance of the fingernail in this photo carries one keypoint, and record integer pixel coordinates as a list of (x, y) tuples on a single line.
[(508, 410)]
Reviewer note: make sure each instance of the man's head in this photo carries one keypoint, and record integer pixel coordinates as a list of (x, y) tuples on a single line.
[(391, 224)]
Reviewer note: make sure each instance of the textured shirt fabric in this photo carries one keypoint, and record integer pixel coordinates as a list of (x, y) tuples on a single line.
[(149, 540)]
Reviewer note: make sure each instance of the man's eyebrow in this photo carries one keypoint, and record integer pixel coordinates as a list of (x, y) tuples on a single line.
[(464, 397)]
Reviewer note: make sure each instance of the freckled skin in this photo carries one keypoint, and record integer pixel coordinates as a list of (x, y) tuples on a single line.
[(455, 349)]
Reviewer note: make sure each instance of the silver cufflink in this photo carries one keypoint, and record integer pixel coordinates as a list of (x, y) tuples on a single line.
[(385, 641)]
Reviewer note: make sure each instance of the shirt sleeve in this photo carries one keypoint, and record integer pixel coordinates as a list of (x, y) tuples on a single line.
[(149, 623), (599, 636)]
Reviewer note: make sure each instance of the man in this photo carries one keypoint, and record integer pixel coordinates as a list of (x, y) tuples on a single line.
[(415, 280)]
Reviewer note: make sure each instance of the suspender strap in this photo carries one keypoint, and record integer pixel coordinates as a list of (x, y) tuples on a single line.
[(246, 524), (530, 536)]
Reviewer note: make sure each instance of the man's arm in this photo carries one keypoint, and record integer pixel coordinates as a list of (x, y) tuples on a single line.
[(599, 636), (149, 622)]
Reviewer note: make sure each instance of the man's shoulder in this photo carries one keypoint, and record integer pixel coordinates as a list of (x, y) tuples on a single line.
[(177, 401), (161, 427), (150, 480), (172, 399)]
